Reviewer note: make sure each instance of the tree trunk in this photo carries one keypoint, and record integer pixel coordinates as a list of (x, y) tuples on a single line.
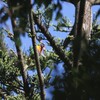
[(82, 31), (83, 26)]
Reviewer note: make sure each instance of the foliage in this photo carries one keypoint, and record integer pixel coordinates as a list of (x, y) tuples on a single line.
[(2, 44), (19, 97), (10, 75), (82, 84), (72, 83)]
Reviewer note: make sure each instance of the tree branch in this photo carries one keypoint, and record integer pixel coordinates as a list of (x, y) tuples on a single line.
[(94, 2), (74, 2), (19, 53), (67, 40), (33, 34), (59, 51)]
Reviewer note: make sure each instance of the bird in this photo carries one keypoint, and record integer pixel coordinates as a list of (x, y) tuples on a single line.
[(40, 48)]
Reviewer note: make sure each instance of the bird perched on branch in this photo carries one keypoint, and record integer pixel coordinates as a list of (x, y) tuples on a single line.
[(40, 49)]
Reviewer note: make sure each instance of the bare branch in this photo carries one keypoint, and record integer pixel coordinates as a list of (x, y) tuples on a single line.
[(33, 36)]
